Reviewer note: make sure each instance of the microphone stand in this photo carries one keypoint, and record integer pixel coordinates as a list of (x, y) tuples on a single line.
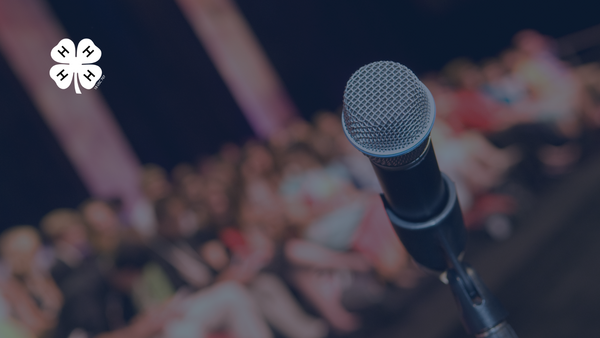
[(438, 244)]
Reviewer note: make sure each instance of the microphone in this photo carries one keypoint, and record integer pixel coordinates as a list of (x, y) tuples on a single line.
[(388, 115)]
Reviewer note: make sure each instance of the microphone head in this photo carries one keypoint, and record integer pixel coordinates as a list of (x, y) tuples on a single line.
[(387, 113)]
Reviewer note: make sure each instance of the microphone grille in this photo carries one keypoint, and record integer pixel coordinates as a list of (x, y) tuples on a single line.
[(387, 111)]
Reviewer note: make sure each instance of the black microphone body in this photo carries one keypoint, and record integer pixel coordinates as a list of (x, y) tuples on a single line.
[(388, 115), (415, 191)]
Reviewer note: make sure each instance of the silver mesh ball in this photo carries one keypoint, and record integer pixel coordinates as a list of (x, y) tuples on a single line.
[(387, 111)]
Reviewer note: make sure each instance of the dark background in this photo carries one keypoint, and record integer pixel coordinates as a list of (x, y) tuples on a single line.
[(173, 106)]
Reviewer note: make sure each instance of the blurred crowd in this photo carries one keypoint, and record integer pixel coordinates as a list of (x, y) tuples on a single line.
[(522, 117), (288, 237)]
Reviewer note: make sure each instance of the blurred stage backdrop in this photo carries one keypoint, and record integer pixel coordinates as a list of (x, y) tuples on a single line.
[(208, 171)]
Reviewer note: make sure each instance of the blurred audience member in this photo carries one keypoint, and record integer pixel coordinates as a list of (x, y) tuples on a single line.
[(29, 293), (327, 208), (103, 226), (67, 233), (472, 109), (589, 76), (501, 84), (105, 230), (192, 188), (262, 205), (9, 326), (103, 306), (551, 84), (154, 185), (177, 253)]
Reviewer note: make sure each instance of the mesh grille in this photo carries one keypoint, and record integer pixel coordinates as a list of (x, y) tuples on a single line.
[(398, 161), (386, 109)]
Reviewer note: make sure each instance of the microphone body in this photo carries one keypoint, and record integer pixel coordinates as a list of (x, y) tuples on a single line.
[(388, 115), (415, 191)]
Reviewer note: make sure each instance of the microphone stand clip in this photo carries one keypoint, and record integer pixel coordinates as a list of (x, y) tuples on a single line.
[(438, 244)]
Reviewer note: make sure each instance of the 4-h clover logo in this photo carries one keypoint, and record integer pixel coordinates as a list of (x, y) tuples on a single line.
[(71, 64)]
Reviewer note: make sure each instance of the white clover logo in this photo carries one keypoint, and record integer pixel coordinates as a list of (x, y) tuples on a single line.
[(71, 64)]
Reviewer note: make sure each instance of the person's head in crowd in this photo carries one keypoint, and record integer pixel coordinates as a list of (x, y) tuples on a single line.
[(300, 158), (532, 43), (193, 191), (180, 172), (102, 223), (327, 129), (220, 203), (207, 165), (214, 253), (492, 70), (442, 93), (230, 153), (270, 221), (215, 169), (510, 59), (155, 184), (279, 142), (300, 131), (129, 263), (258, 162), (19, 246), (328, 123), (188, 183), (100, 217), (463, 74), (175, 219), (589, 78), (65, 227), (193, 188), (31, 293)]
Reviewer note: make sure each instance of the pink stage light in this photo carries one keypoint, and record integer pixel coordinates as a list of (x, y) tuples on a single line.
[(83, 124)]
